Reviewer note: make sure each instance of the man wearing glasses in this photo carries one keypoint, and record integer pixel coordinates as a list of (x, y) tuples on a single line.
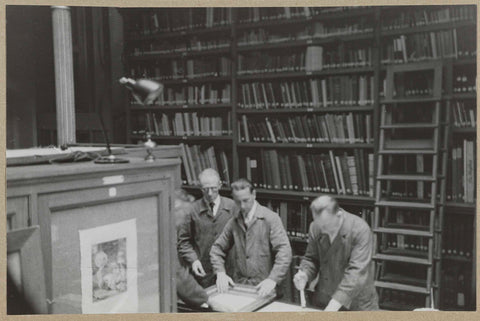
[(203, 223)]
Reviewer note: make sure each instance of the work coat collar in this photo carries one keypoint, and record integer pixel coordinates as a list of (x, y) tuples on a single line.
[(205, 208), (258, 215), (345, 228)]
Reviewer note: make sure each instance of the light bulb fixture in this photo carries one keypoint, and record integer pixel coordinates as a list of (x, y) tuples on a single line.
[(145, 92)]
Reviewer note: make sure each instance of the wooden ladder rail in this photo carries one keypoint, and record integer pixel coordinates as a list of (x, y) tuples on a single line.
[(431, 242)]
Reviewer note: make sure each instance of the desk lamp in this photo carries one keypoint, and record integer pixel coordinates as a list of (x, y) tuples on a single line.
[(145, 92)]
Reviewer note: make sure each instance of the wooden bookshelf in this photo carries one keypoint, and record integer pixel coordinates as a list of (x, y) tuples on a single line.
[(198, 80), (303, 74), (146, 56), (176, 34), (192, 107), (373, 36), (309, 110), (185, 138), (428, 28), (304, 145)]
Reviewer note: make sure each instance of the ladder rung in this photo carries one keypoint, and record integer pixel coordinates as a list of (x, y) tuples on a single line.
[(402, 232), (407, 151), (410, 125), (404, 259), (405, 204), (401, 287), (400, 177)]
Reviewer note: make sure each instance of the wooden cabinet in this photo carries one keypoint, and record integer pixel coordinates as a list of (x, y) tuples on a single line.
[(66, 200)]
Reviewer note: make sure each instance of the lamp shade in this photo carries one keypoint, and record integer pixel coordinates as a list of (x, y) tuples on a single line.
[(145, 91)]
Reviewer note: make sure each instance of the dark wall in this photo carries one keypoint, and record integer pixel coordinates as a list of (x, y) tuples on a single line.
[(30, 75), (97, 35)]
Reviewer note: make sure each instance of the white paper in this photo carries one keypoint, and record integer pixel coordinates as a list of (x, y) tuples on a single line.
[(231, 302), (108, 256)]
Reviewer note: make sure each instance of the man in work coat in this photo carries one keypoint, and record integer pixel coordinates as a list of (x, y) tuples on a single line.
[(202, 225), (262, 249), (339, 250)]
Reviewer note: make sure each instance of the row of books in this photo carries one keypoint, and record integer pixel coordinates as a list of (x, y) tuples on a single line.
[(297, 217), (404, 218), (350, 90), (464, 114), (262, 62), (196, 158), (431, 45), (178, 19), (403, 113), (414, 244), (270, 36), (458, 236), (339, 57), (461, 182), (420, 164), (413, 84), (208, 67), (312, 59), (316, 30), (347, 173), (184, 46), (407, 190), (464, 81), (329, 128), (456, 282), (256, 14), (205, 94), (178, 69), (416, 18), (400, 300), (182, 124), (182, 19)]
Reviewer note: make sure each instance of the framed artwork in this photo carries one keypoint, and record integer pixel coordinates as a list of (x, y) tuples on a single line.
[(240, 298), (26, 271), (108, 256), (105, 234)]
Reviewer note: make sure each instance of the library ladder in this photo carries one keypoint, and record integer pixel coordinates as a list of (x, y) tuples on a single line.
[(429, 256)]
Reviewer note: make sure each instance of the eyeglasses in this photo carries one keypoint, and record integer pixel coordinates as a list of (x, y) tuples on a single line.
[(213, 189)]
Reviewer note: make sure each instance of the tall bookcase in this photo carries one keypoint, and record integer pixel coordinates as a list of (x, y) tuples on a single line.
[(291, 98)]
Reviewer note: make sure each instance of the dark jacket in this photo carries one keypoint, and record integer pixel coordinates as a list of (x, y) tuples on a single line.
[(261, 251), (345, 266), (198, 232), (188, 289)]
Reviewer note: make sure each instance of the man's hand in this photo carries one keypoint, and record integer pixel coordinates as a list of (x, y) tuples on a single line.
[(266, 287), (300, 280), (223, 281), (333, 306), (198, 269)]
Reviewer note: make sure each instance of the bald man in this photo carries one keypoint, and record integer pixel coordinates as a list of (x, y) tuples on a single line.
[(339, 251), (203, 223)]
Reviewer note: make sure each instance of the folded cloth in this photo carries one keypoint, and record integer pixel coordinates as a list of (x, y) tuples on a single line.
[(76, 156)]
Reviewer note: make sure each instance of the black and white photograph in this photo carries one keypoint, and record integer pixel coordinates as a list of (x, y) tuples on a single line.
[(212, 159)]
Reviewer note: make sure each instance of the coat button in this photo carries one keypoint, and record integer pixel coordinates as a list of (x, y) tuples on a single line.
[(248, 257)]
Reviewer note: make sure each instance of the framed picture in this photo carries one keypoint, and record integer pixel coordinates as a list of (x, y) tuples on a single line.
[(107, 249), (240, 298), (108, 259), (26, 274)]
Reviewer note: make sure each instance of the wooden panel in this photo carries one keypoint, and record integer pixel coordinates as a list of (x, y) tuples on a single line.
[(65, 198), (17, 213), (27, 243), (65, 213)]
